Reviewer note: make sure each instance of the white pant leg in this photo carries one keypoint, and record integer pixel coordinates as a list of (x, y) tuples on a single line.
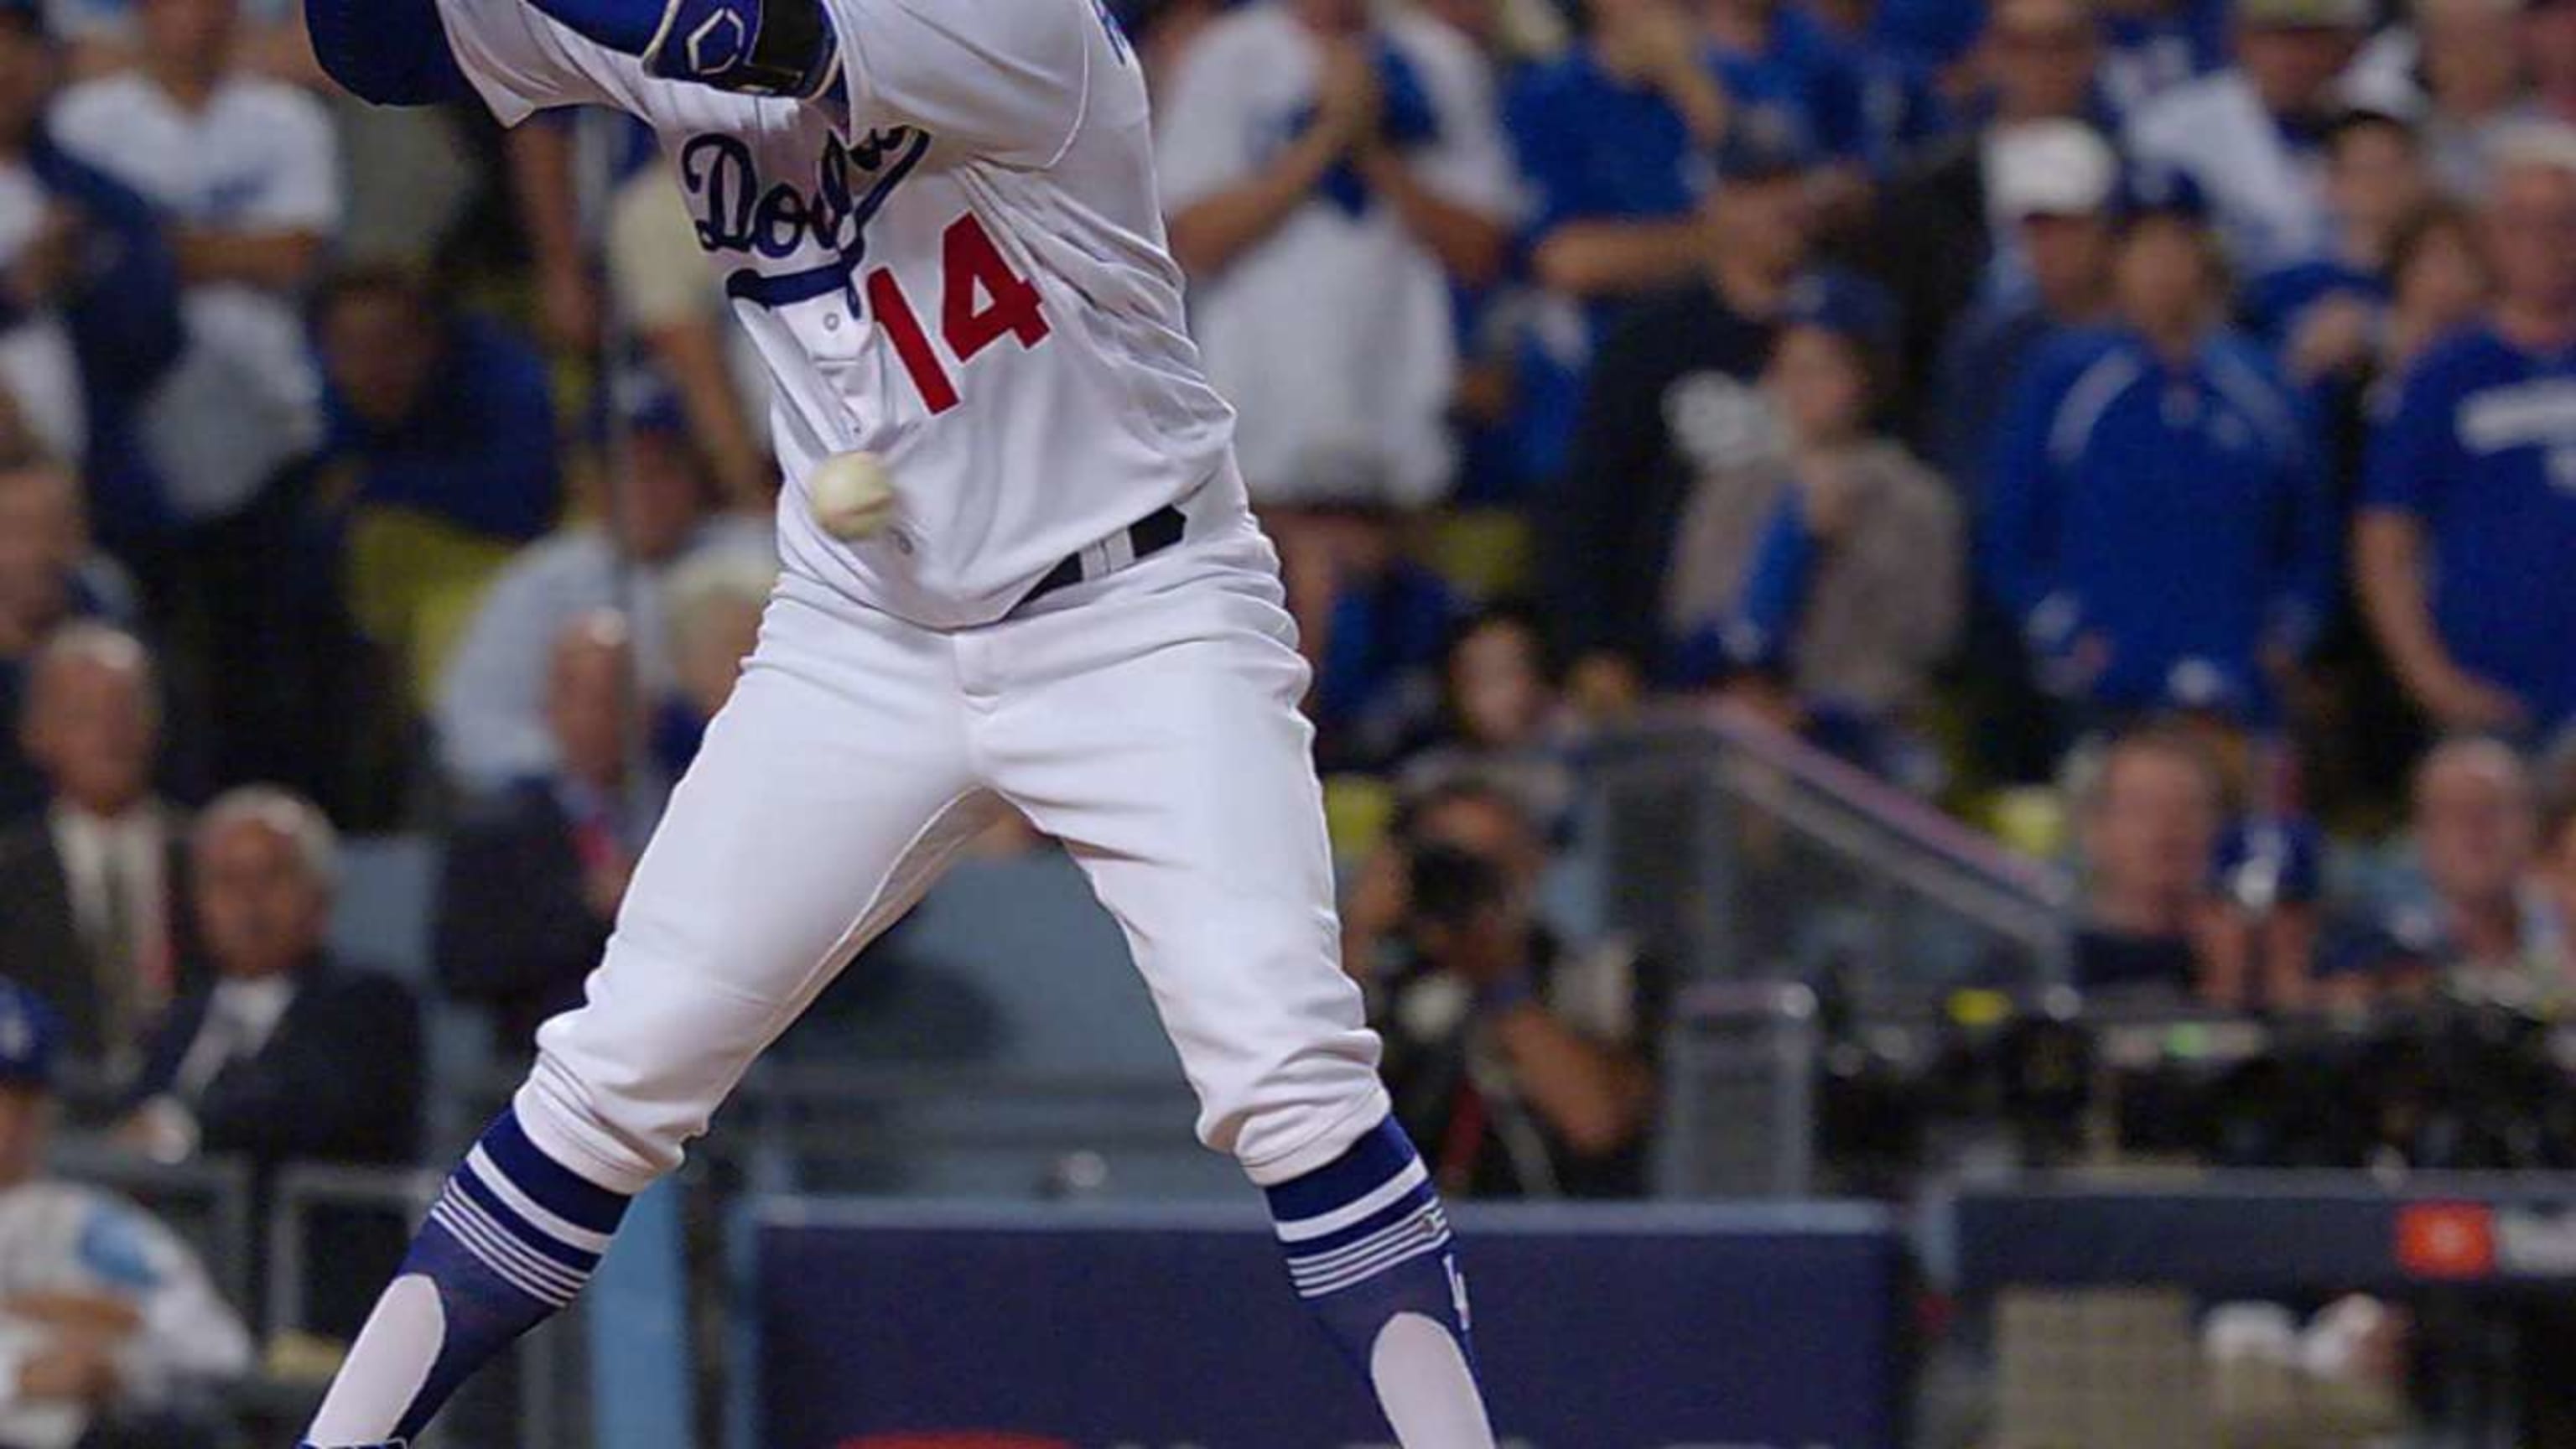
[(828, 795), (1150, 721)]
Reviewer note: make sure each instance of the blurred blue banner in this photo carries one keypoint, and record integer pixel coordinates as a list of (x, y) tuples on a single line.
[(905, 1326)]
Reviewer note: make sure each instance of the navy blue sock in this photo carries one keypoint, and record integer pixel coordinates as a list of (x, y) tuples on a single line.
[(1368, 1248), (511, 1240)]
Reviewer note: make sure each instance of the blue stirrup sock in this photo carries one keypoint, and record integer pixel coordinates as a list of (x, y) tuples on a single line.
[(1369, 1250), (512, 1238)]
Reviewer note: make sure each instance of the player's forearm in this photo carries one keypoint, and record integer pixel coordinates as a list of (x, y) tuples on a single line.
[(1612, 258), (275, 261), (1595, 1098), (2388, 561), (1471, 246), (1209, 236)]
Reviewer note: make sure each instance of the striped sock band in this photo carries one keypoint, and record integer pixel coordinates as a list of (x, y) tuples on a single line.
[(1369, 1212), (534, 1225)]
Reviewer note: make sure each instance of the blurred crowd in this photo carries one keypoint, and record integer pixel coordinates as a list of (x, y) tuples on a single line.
[(2147, 427)]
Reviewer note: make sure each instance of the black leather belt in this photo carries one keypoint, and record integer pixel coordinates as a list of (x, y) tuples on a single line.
[(1148, 536)]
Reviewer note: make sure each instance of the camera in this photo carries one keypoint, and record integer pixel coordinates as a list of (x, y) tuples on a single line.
[(1451, 885)]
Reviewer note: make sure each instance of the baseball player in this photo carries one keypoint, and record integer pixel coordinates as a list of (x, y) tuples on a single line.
[(1018, 569)]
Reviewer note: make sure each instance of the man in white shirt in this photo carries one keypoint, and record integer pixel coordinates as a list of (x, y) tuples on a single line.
[(491, 707), (1328, 173), (248, 172), (90, 900), (2253, 135), (108, 1322)]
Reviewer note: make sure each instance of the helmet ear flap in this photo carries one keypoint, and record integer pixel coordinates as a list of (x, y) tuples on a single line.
[(750, 47)]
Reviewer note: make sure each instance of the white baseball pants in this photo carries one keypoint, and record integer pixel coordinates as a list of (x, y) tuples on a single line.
[(1148, 719)]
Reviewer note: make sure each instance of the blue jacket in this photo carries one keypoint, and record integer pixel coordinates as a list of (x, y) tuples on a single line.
[(123, 318), (2176, 516), (1592, 148), (479, 452)]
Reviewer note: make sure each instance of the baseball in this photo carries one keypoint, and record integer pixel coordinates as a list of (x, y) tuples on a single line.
[(851, 496)]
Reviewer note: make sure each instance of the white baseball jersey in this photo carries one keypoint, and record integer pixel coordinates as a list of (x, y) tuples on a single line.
[(963, 272)]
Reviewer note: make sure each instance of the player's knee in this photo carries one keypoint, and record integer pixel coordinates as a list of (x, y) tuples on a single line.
[(599, 1133), (1299, 1110)]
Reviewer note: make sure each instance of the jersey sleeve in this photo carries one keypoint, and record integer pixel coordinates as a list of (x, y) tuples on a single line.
[(2404, 464), (1009, 79), (522, 62)]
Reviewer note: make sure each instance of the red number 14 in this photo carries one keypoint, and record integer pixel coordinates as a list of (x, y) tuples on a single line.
[(982, 302)]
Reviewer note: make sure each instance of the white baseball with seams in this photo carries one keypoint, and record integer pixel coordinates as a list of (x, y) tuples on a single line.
[(851, 495)]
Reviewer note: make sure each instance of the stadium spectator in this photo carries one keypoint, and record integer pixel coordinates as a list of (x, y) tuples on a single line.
[(1502, 718), (2440, 284), (2154, 514), (1522, 1060), (2150, 810), (2362, 734), (1330, 175), (89, 293), (115, 1333), (1825, 587), (2053, 183), (2470, 500), (47, 578), (2156, 46), (490, 710), (1784, 69), (1611, 137), (1944, 238), (533, 876), (1671, 402), (1382, 620), (246, 173), (2323, 314), (715, 606), (2253, 135), (2480, 925), (287, 1055), (2056, 182), (94, 912), (433, 410), (1901, 102), (2458, 71)]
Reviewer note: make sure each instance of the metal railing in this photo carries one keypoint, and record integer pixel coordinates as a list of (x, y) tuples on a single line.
[(1745, 854), (210, 1202)]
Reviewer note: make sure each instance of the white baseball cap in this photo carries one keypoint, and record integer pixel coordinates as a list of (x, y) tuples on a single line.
[(2052, 168)]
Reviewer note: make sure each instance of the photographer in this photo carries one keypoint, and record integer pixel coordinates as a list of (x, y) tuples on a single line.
[(1520, 1061)]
